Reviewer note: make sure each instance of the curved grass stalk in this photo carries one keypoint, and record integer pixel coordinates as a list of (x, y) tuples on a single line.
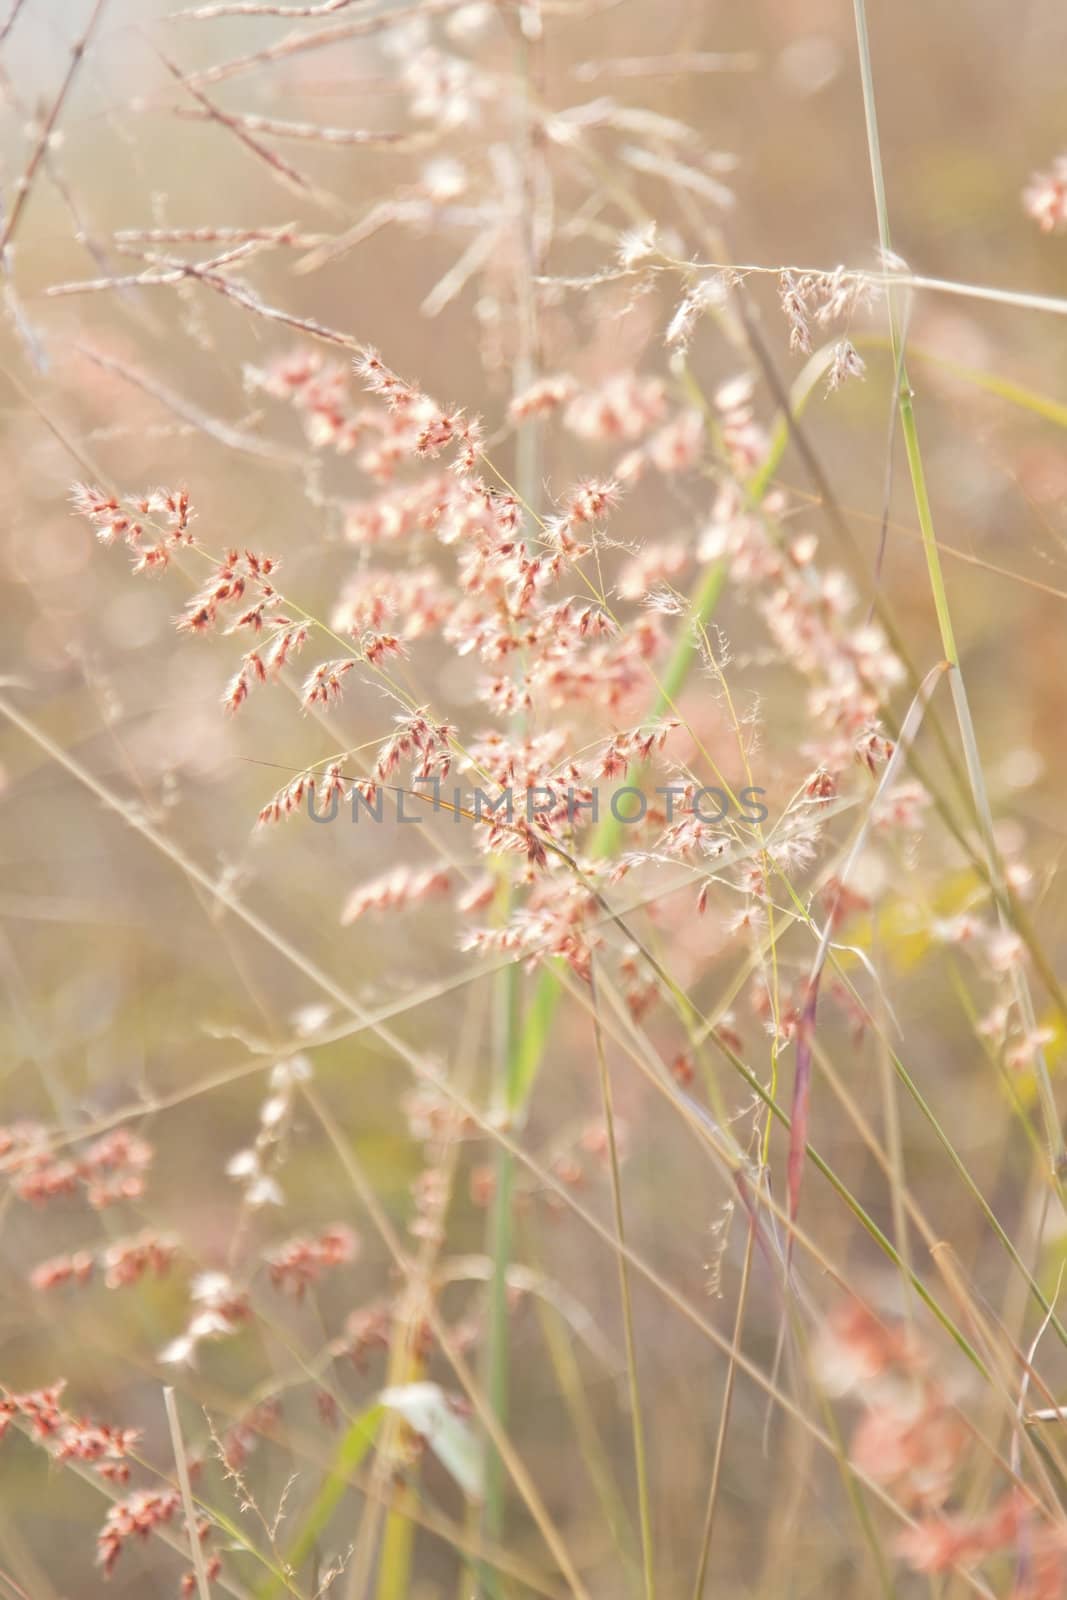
[(692, 1315), (524, 1062), (356, 1440), (447, 1344), (1006, 389), (806, 1030), (537, 1020), (525, 1059), (732, 1162), (1008, 905), (540, 1011), (930, 1116), (1057, 1150), (558, 1339), (225, 895)]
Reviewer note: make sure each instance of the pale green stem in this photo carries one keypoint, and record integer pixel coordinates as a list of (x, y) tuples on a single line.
[(637, 1424), (909, 429), (527, 469)]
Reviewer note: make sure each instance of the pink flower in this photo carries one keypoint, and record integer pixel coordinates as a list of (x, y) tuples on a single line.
[(1045, 197)]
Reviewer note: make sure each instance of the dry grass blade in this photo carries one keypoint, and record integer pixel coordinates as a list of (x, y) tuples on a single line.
[(24, 186), (636, 1419), (191, 1521), (972, 759), (798, 1136), (258, 8)]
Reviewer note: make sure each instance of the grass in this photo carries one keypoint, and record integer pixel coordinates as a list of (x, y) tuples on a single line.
[(581, 1205)]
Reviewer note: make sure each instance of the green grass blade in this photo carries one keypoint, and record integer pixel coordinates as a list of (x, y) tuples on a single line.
[(351, 1450)]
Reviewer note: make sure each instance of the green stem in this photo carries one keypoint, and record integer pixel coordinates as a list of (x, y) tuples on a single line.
[(968, 737), (527, 472), (500, 1239), (546, 996), (636, 1421)]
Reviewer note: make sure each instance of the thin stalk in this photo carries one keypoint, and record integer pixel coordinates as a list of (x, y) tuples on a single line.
[(508, 990), (497, 1360), (354, 1445), (559, 1343), (898, 1185), (956, 1160), (972, 760), (724, 1413), (637, 1425), (407, 1365), (398, 1535), (182, 1464), (447, 1345), (224, 895), (546, 994)]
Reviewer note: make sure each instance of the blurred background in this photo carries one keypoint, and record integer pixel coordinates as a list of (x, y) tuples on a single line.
[(123, 980)]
